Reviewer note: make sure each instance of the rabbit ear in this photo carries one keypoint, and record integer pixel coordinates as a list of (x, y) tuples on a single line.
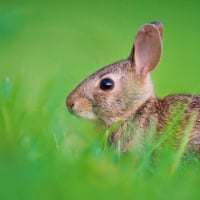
[(159, 27), (147, 49)]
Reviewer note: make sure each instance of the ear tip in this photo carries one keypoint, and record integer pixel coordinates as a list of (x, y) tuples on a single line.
[(143, 29), (157, 23), (147, 28), (159, 27), (152, 26)]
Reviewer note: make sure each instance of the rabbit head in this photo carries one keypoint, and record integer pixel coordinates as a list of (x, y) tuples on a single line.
[(116, 91)]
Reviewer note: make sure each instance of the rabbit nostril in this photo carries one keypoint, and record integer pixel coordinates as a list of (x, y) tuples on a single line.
[(70, 104)]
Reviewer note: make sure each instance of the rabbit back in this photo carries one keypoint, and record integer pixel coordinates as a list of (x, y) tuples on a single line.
[(161, 113)]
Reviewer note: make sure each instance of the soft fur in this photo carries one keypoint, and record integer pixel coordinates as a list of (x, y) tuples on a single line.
[(132, 98)]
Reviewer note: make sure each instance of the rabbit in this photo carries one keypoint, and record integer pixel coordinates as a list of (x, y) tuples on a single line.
[(124, 92)]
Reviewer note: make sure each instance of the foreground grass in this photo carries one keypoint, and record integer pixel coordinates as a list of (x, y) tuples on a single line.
[(42, 158), (45, 153)]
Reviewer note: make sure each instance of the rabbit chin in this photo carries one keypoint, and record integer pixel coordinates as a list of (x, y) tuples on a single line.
[(87, 115)]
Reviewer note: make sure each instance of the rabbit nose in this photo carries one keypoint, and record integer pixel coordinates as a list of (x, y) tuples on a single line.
[(70, 104)]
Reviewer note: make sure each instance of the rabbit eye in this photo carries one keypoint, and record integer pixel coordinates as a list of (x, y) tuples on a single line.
[(106, 84)]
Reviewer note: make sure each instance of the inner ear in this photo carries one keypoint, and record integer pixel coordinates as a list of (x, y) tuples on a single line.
[(146, 51)]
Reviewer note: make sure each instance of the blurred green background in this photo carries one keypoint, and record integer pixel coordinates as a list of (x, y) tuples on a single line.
[(46, 49), (67, 40)]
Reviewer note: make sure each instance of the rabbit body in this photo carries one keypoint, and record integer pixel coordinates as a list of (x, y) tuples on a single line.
[(124, 91), (161, 112)]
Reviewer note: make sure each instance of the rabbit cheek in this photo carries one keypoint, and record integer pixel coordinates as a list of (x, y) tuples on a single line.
[(106, 108), (100, 105)]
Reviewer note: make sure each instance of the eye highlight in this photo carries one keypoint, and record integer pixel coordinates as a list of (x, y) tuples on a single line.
[(106, 84)]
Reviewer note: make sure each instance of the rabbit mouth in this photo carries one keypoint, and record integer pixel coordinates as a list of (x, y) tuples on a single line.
[(86, 114)]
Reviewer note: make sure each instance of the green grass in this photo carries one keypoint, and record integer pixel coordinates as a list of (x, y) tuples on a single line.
[(47, 48)]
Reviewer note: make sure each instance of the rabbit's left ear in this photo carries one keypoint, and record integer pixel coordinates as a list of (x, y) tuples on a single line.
[(147, 49)]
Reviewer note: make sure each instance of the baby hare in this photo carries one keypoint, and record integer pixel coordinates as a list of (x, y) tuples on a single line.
[(123, 91)]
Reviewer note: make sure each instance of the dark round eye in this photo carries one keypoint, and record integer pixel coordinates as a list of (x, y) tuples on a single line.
[(106, 84)]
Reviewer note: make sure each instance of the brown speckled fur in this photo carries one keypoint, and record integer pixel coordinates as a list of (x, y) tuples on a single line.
[(163, 112)]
